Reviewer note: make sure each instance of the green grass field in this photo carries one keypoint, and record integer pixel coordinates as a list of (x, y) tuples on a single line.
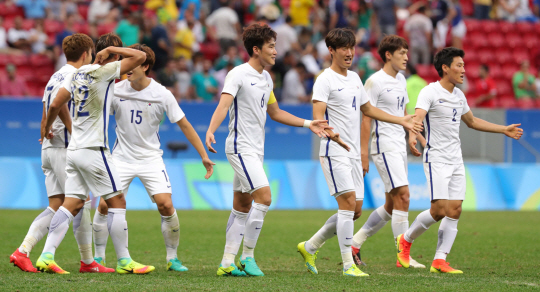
[(496, 250)]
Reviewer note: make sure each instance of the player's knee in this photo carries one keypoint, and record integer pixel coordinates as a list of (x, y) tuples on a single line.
[(265, 201), (165, 206), (403, 198), (102, 207)]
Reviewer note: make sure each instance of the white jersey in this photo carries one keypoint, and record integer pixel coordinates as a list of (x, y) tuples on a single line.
[(92, 88), (61, 134), (444, 111), (343, 97), (252, 92), (138, 115), (390, 95)]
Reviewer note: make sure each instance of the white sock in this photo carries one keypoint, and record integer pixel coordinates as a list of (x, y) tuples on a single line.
[(376, 220), (170, 227), (326, 232), (101, 234), (345, 229), (419, 226), (117, 225), (37, 230), (400, 222), (447, 235), (59, 227), (254, 225), (82, 229), (233, 236)]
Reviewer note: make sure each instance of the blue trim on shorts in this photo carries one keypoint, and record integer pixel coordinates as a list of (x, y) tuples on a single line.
[(388, 170), (430, 180), (332, 173), (108, 170), (235, 126), (377, 135), (328, 139), (428, 136), (245, 170), (105, 116), (66, 141)]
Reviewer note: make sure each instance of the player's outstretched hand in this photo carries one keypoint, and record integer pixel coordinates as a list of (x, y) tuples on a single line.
[(411, 125), (209, 165), (318, 127), (209, 141), (338, 140), (412, 147), (513, 131), (365, 164), (101, 56)]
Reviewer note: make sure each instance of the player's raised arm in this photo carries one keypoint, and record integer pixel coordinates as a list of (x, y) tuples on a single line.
[(61, 100), (217, 118), (513, 131), (317, 126), (419, 116), (132, 58), (407, 121), (194, 139)]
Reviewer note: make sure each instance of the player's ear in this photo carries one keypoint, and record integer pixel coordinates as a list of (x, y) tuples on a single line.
[(145, 68)]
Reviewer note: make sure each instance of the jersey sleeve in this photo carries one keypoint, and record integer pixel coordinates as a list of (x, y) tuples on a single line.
[(321, 89), (67, 82), (173, 110), (108, 72), (364, 98), (232, 83), (424, 100), (372, 91), (272, 98), (466, 107)]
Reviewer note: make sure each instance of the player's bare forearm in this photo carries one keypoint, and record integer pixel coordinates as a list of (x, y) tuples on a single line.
[(132, 58), (221, 112), (192, 136), (485, 126), (365, 133), (378, 114), (64, 116), (284, 117)]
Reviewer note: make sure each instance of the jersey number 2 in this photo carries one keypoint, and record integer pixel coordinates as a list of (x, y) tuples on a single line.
[(454, 118), (80, 113), (137, 115)]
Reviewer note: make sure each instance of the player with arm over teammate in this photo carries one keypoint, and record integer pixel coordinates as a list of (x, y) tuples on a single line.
[(247, 95), (139, 105), (441, 105), (338, 95), (89, 166), (387, 90), (78, 49)]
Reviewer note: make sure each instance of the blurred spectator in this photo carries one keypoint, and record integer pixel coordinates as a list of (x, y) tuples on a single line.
[(299, 11), (280, 69), (166, 10), (486, 88), (536, 8), (38, 38), (167, 76), (293, 91), (336, 10), (13, 85), (197, 62), (367, 63), (204, 85), (100, 11), (288, 38), (198, 30), (194, 6), (4, 48), (60, 9), (222, 74), (482, 9), (183, 79), (515, 10), (224, 25), (67, 31), (415, 83), (524, 83), (185, 41), (366, 20), (159, 43), (443, 12), (34, 8), (231, 56), (386, 15), (18, 36), (418, 29), (459, 29), (128, 29)]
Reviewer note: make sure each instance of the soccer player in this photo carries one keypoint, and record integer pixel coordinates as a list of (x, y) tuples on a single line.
[(89, 165), (247, 95), (78, 49), (441, 105), (387, 90), (339, 95), (139, 104)]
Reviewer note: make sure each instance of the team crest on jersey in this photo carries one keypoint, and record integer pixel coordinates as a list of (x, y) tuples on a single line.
[(149, 104), (461, 103)]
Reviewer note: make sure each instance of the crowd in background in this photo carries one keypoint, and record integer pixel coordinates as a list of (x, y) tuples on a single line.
[(197, 42)]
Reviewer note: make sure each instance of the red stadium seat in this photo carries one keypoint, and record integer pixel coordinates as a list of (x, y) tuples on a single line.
[(83, 10), (495, 40), (520, 55), (4, 60), (504, 56), (538, 103), (9, 12), (524, 27), (106, 28), (526, 104), (504, 88), (506, 102), (470, 56), (473, 25), (472, 71), (489, 26), (496, 72), (52, 27), (506, 27), (509, 70), (478, 40), (514, 41), (8, 23), (81, 27), (19, 60), (28, 24), (39, 60)]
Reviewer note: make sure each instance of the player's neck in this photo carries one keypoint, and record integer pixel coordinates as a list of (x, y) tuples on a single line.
[(389, 69), (256, 64), (77, 64), (446, 84), (141, 83), (339, 70)]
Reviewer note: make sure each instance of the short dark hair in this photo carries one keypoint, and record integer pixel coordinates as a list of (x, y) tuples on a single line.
[(150, 56), (391, 43), (446, 57), (256, 35), (340, 38), (108, 40), (75, 45), (485, 67)]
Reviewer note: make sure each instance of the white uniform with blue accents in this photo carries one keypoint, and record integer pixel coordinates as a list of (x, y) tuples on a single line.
[(443, 161), (388, 148), (136, 151), (252, 92), (343, 95), (89, 162), (53, 151)]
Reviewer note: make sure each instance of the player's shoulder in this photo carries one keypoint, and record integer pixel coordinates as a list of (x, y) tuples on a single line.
[(429, 89), (458, 92), (159, 91), (325, 76), (122, 86)]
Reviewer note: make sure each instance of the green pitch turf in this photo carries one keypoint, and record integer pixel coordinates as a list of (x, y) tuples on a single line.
[(496, 251)]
